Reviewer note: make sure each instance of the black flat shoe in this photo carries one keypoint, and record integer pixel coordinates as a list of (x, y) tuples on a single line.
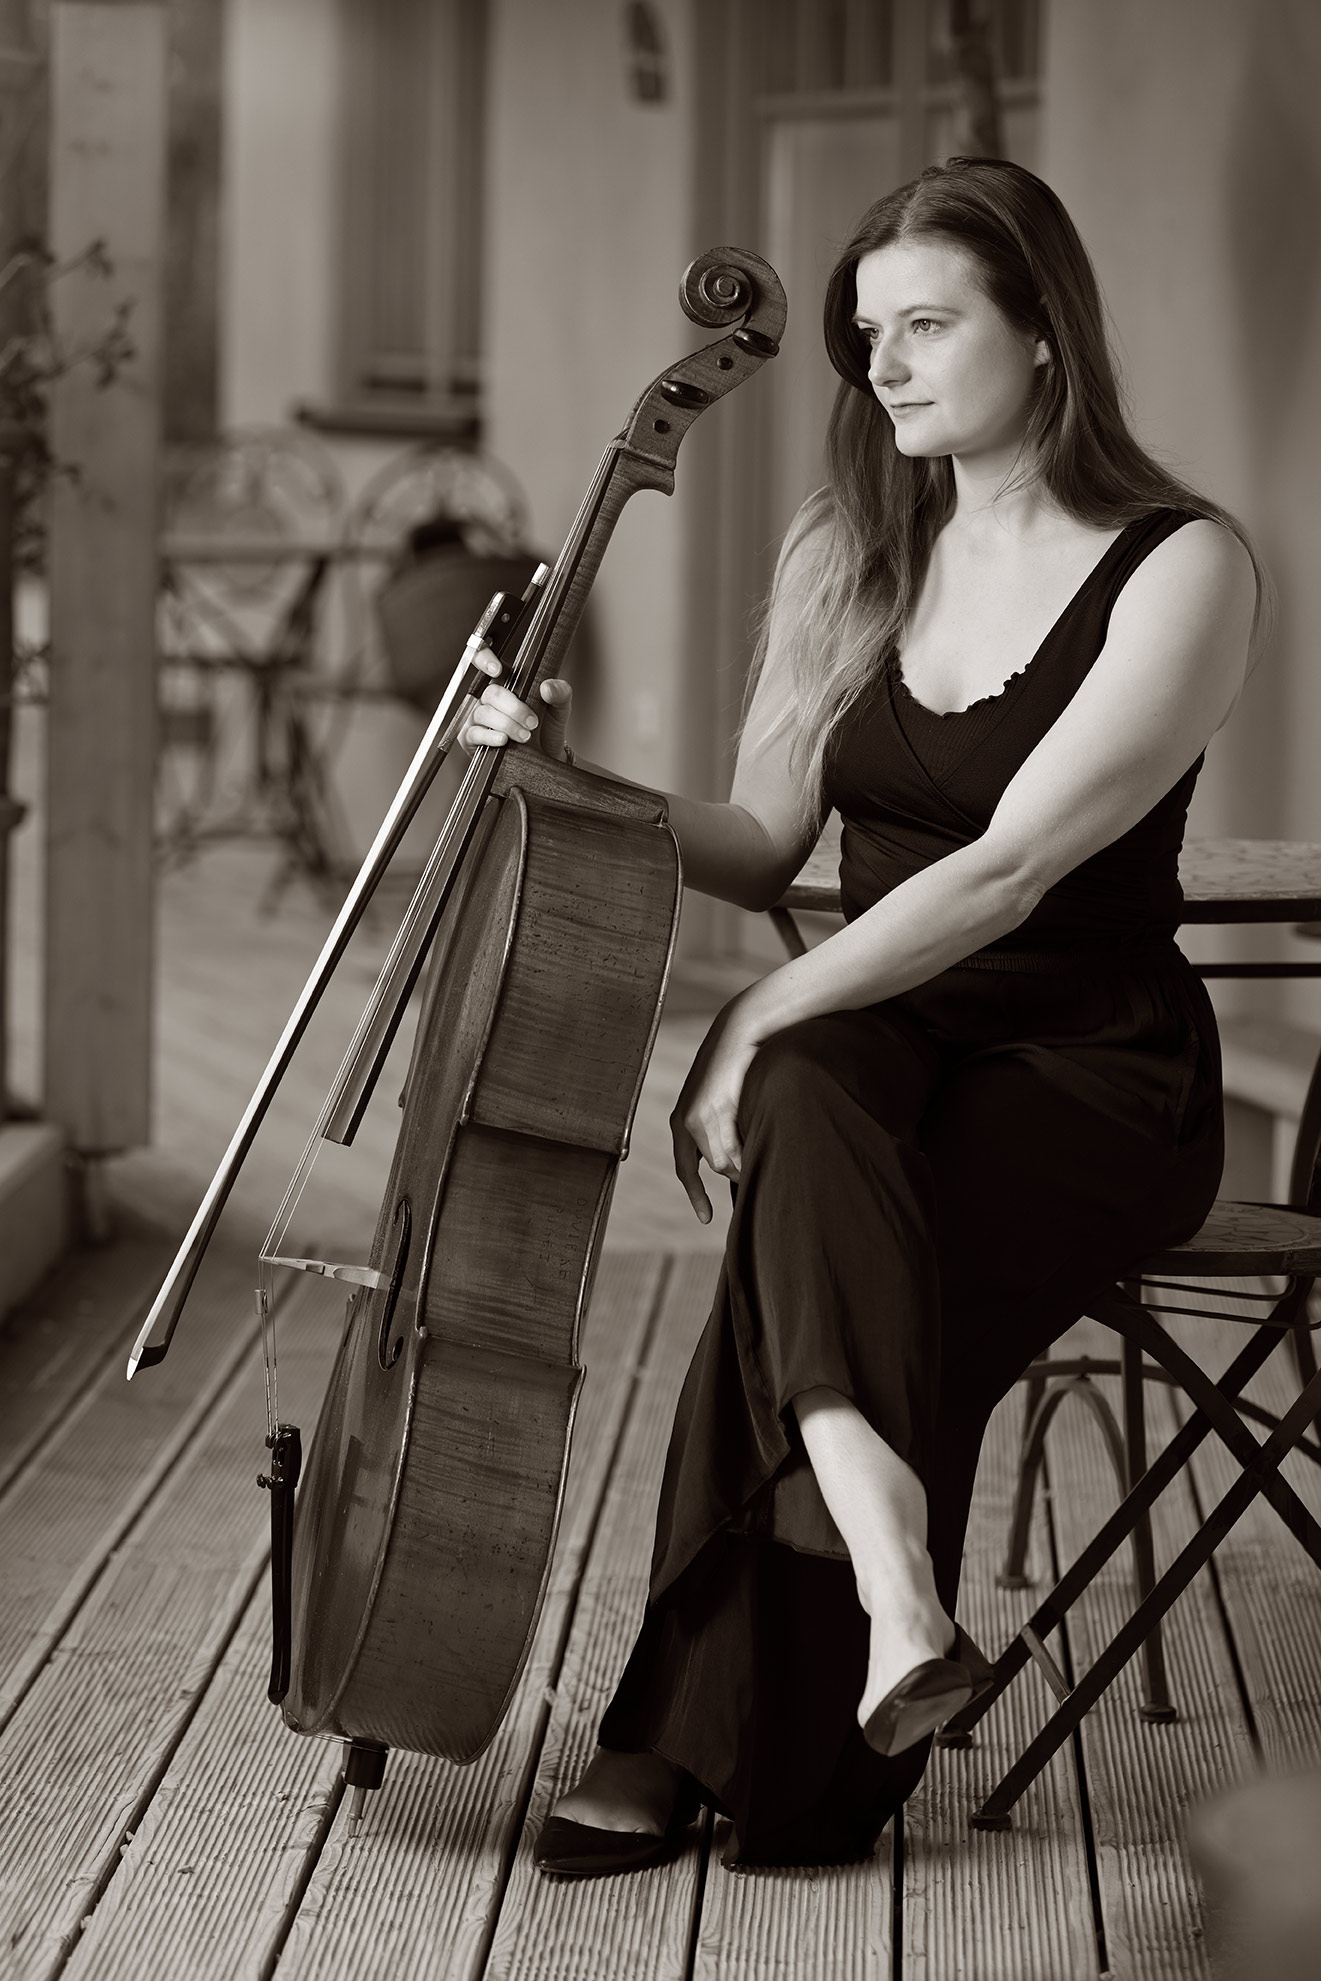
[(566, 1849), (926, 1697)]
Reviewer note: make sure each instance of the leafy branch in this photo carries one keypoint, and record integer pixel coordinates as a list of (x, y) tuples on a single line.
[(32, 358)]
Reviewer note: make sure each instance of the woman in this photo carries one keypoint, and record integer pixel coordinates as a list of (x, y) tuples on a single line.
[(998, 642)]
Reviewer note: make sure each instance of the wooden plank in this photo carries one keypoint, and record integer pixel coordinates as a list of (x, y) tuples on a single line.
[(816, 1924), (635, 1928), (1270, 1586), (35, 1198), (1141, 1778), (229, 976), (436, 1844), (82, 1489), (88, 1743), (1003, 1905), (219, 1853), (108, 66), (55, 1349)]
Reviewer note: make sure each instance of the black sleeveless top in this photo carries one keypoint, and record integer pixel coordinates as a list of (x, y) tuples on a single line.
[(912, 785)]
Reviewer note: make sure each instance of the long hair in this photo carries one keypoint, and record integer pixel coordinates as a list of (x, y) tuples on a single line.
[(868, 534)]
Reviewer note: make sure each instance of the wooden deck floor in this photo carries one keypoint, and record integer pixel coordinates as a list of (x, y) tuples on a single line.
[(157, 1820)]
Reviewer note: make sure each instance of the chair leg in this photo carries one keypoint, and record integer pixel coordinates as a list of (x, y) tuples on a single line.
[(1255, 1478), (1046, 1390), (1304, 1357), (1036, 1417), (1156, 1701), (1105, 1543), (1048, 1395), (1035, 1382), (788, 931), (1213, 1402)]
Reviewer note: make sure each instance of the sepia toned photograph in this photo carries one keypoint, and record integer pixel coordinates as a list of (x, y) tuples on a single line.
[(660, 990)]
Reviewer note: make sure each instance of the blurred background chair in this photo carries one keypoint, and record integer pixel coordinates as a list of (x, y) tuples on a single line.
[(266, 666), (427, 542), (429, 538), (252, 525)]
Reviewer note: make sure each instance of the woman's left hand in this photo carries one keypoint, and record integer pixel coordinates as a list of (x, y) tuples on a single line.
[(704, 1123)]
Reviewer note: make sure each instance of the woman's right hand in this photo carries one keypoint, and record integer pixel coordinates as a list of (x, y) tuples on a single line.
[(500, 717)]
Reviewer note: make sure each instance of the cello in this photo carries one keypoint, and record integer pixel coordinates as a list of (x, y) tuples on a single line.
[(411, 1557)]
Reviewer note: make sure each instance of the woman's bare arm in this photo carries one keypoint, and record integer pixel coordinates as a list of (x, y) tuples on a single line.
[(1170, 672)]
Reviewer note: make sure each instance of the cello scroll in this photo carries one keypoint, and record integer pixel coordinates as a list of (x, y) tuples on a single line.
[(722, 286)]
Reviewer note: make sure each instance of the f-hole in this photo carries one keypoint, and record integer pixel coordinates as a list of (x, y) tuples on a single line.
[(401, 1225)]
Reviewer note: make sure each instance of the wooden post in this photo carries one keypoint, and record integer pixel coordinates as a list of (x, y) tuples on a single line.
[(11, 812), (108, 119), (18, 74)]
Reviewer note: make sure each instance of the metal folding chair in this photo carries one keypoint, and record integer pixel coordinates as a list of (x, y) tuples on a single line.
[(260, 510), (1238, 1241)]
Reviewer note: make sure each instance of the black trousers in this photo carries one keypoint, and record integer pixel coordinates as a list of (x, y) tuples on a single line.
[(931, 1189)]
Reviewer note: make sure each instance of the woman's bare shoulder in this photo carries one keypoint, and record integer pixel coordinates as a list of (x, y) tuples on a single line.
[(1187, 618), (1204, 551), (1201, 577)]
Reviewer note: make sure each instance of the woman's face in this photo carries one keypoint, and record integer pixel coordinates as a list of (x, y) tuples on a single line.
[(955, 376)]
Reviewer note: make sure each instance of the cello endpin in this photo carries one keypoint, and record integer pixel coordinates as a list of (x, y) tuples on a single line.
[(357, 1802)]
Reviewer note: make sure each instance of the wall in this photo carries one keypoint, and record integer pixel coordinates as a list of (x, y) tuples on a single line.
[(588, 233), (1184, 139), (279, 194)]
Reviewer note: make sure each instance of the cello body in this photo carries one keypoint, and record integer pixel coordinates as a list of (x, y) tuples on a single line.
[(426, 1516)]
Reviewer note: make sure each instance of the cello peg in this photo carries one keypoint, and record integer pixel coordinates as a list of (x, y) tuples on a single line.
[(680, 393)]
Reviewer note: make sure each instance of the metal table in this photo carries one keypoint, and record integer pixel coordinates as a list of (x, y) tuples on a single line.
[(246, 603), (1224, 881)]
